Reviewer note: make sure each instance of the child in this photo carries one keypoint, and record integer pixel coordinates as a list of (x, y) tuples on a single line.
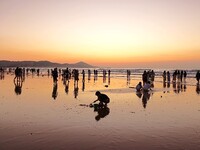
[(103, 98)]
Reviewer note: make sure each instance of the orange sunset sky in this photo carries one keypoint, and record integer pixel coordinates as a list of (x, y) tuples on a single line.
[(115, 33)]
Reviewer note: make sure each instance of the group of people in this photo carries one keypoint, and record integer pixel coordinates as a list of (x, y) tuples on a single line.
[(179, 75)]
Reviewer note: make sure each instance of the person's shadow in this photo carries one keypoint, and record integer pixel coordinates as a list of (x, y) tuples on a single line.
[(18, 87), (102, 112), (54, 92)]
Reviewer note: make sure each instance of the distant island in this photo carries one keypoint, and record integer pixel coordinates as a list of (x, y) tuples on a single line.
[(7, 63)]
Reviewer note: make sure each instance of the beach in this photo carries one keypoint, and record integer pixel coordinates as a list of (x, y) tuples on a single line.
[(42, 115)]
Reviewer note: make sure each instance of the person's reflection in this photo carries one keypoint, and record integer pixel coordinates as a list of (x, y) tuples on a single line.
[(75, 89), (108, 80), (67, 87), (54, 92), (145, 98), (83, 85), (139, 94), (198, 88), (102, 112), (174, 86), (104, 79), (18, 87), (184, 86), (164, 83), (168, 84), (1, 76)]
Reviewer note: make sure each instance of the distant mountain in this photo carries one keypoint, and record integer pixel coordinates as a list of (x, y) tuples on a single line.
[(6, 63)]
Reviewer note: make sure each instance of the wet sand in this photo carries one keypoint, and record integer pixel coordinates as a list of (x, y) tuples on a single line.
[(166, 118)]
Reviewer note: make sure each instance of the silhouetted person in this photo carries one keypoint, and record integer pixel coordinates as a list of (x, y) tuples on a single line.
[(38, 72), (198, 76), (164, 76), (185, 75), (76, 75), (89, 74), (83, 72), (144, 77), (139, 87), (55, 88), (1, 73), (102, 112), (18, 74), (103, 98), (152, 75), (109, 73), (168, 76), (55, 75)]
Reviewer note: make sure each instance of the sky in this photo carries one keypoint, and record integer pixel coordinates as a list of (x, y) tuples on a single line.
[(115, 33)]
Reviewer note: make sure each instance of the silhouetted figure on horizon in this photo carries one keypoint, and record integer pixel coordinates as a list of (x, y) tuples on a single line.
[(109, 73), (198, 76), (55, 75), (18, 74), (83, 73), (185, 75), (48, 72), (38, 72), (144, 77), (89, 74), (1, 73)]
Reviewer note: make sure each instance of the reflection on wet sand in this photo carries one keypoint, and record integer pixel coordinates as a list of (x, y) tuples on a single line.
[(76, 89), (102, 112), (145, 96), (18, 86), (198, 88), (55, 90), (55, 121)]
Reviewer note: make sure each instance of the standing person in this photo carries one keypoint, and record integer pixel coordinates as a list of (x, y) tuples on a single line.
[(103, 98), (144, 77), (198, 76), (185, 75), (164, 76), (168, 76), (55, 75)]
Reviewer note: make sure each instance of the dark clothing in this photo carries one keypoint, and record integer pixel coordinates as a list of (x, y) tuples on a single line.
[(103, 98)]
